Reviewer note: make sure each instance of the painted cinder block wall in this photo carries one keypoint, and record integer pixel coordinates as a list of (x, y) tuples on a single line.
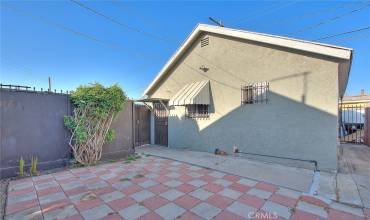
[(299, 120)]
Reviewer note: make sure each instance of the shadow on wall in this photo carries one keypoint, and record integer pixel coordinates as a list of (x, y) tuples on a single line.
[(282, 127)]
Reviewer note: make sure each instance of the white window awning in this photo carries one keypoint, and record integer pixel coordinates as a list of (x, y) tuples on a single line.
[(193, 93)]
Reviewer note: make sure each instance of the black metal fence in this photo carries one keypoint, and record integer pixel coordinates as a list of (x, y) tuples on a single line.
[(352, 124)]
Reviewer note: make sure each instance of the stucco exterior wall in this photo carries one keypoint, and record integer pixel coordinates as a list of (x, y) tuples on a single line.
[(299, 120)]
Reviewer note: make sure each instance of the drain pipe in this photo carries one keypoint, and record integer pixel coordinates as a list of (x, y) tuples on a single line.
[(316, 172)]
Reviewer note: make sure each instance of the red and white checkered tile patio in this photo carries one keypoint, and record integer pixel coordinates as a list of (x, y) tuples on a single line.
[(156, 188)]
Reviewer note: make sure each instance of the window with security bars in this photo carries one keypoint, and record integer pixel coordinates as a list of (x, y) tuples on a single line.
[(254, 93), (196, 111)]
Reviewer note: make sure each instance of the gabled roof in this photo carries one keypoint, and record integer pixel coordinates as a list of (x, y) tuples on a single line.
[(341, 53)]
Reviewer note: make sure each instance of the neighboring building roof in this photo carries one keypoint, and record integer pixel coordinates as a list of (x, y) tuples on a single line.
[(356, 98), (308, 46), (193, 93)]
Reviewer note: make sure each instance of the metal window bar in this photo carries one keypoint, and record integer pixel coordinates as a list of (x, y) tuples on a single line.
[(254, 93), (196, 111), (351, 123)]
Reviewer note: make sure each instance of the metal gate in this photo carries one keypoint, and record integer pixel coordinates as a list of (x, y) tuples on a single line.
[(160, 124), (142, 125), (352, 126)]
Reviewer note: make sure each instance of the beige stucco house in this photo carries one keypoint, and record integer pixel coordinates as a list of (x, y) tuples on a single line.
[(263, 94)]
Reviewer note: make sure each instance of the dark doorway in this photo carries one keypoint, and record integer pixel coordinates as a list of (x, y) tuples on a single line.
[(142, 127), (161, 123)]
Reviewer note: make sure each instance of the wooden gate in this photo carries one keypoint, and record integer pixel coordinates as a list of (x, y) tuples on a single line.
[(160, 124), (142, 125)]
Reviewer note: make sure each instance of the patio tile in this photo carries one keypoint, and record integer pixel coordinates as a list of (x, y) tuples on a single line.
[(97, 212), (173, 175), (219, 201), (20, 206), (171, 194), (122, 184), (155, 202), (157, 189), (131, 189), (173, 183), (299, 215), (21, 198), (142, 195), (212, 187), (253, 201), (48, 191), (112, 196), (133, 212), (206, 210), (104, 190), (148, 183), (28, 214), (201, 194), (259, 193), (316, 210), (241, 209), (197, 182), (232, 194), (71, 185), (222, 182), (247, 182), (170, 211), (216, 174), (13, 186), (266, 186), (185, 178), (186, 188), (194, 174), (151, 216), (187, 202), (283, 200), (231, 178), (55, 205), (314, 200), (280, 210), (239, 187), (224, 215), (60, 213), (52, 198), (120, 204), (96, 185), (194, 168), (21, 191), (189, 216), (46, 185), (207, 178), (76, 191), (87, 204)]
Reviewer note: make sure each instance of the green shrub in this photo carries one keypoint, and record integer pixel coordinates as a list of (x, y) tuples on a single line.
[(21, 167), (95, 107)]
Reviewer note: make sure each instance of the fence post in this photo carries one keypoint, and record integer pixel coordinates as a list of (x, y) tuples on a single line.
[(367, 126)]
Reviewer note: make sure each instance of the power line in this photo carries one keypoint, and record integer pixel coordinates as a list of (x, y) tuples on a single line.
[(305, 15), (264, 12), (358, 37), (70, 30), (343, 33), (117, 22), (329, 20)]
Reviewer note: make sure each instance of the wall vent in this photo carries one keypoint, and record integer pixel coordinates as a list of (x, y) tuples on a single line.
[(204, 42)]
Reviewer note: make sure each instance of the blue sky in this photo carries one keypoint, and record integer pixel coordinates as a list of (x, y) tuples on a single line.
[(74, 46)]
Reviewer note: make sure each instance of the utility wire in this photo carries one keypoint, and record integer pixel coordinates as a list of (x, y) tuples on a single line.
[(70, 30), (343, 33), (304, 15), (117, 22), (358, 37), (259, 14), (329, 20)]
